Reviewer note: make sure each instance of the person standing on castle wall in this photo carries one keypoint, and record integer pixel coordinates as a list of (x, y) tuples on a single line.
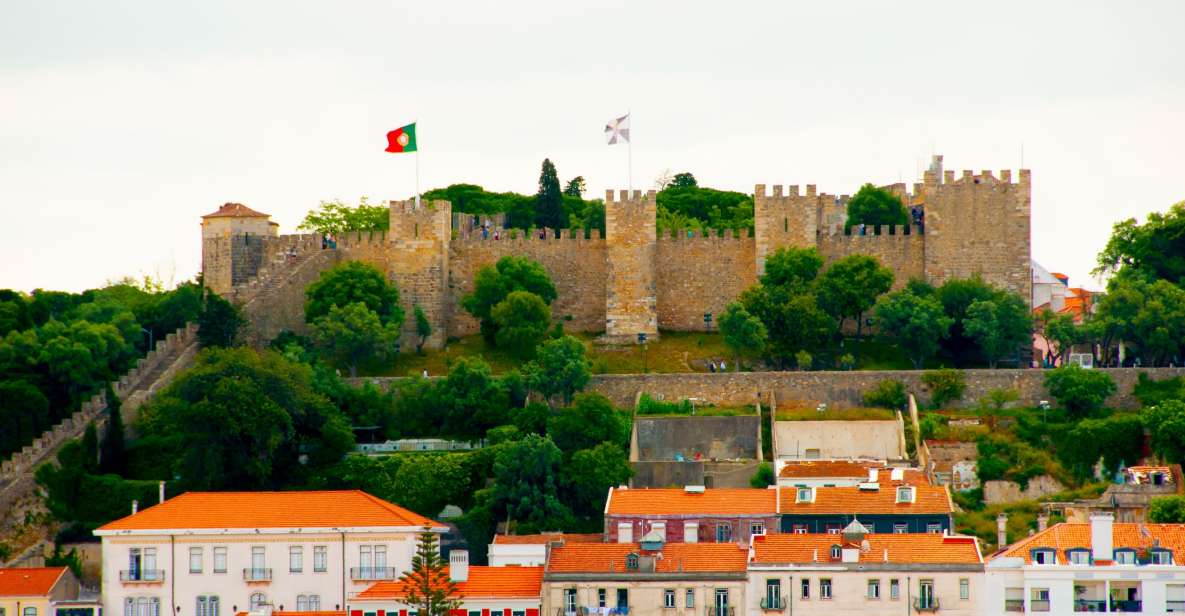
[(485, 232)]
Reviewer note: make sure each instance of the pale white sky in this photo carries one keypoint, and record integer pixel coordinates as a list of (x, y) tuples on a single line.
[(122, 122)]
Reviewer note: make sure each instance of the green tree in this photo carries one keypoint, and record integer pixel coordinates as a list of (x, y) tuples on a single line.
[(219, 321), (549, 201), (560, 369), (1060, 334), (522, 320), (430, 590), (574, 187), (1000, 326), (526, 485), (914, 322), (693, 207), (354, 335), (887, 394), (1167, 509), (470, 400), (353, 282), (112, 453), (423, 329), (1166, 427), (793, 322), (590, 420), (491, 285), (792, 269), (1079, 390), (945, 384), (424, 483), (590, 473), (1154, 250), (849, 288), (957, 295), (24, 414), (683, 180), (1115, 440), (335, 217), (764, 477), (744, 333), (876, 206)]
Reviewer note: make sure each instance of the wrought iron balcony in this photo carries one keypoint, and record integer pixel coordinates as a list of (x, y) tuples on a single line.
[(1014, 605), (142, 575), (773, 604), (373, 573), (257, 574), (1127, 606), (727, 610), (1090, 605), (926, 605)]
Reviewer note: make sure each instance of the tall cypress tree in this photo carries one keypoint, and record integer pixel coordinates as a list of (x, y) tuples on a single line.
[(549, 201), (111, 454), (430, 590)]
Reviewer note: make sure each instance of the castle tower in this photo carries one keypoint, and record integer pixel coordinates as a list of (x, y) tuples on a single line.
[(631, 305), (979, 224), (232, 245), (418, 263), (780, 221)]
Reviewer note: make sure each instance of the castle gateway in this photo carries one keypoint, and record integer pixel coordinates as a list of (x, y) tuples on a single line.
[(633, 280)]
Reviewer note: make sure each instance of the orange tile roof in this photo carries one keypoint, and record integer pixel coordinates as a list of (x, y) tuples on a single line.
[(29, 581), (853, 500), (677, 501), (548, 538), (902, 549), (235, 210), (311, 509), (483, 583), (1068, 535), (676, 558)]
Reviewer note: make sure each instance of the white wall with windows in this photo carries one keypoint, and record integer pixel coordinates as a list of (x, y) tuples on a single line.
[(870, 590)]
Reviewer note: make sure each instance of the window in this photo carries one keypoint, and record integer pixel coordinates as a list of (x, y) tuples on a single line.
[(30, 611), (141, 606), (308, 603), (1079, 557), (258, 561), (668, 598), (295, 559), (320, 559), (926, 599), (894, 589), (365, 560), (825, 588), (812, 454), (934, 529), (623, 598), (806, 588), (904, 494), (380, 557), (631, 561), (690, 602), (773, 594), (900, 529), (874, 589), (257, 602), (836, 552), (207, 606), (195, 560), (1162, 557), (964, 588), (723, 532), (756, 528), (474, 612), (722, 607), (799, 529), (602, 601), (570, 600), (804, 495), (1014, 599), (142, 565), (833, 529), (1045, 557), (1125, 557), (219, 560), (1039, 600)]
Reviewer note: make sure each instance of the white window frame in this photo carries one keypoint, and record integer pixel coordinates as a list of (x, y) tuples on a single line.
[(904, 494), (804, 494), (805, 589), (320, 559), (964, 589), (296, 559), (874, 589), (894, 589), (219, 559), (668, 598), (824, 589), (689, 599), (900, 529), (195, 560), (756, 528)]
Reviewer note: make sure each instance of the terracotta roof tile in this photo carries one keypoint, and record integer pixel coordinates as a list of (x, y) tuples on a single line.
[(483, 582), (235, 210), (548, 538), (29, 581), (677, 501), (852, 500), (310, 509), (1068, 535), (902, 549), (675, 557)]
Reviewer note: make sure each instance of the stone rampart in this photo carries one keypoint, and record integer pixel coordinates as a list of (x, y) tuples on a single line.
[(900, 248), (701, 272)]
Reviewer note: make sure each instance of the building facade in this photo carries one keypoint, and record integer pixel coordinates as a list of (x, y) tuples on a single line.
[(217, 554), (42, 591), (531, 550), (483, 591), (883, 507), (690, 515)]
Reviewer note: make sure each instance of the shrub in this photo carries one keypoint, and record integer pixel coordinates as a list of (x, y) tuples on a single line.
[(803, 360), (764, 477), (1151, 393), (650, 406), (887, 394), (1167, 509), (946, 385), (1079, 390)]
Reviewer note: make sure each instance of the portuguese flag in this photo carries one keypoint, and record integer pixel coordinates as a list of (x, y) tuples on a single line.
[(402, 139)]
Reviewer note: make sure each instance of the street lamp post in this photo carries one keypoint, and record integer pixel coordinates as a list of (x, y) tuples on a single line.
[(642, 341), (151, 339)]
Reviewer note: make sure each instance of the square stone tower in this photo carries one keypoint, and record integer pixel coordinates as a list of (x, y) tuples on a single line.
[(631, 305), (418, 263), (233, 245), (780, 221)]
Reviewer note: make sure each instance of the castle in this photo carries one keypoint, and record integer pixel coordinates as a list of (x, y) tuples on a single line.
[(632, 280)]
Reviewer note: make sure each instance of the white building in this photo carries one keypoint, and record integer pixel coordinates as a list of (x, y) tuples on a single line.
[(531, 550), (483, 591), (1099, 566), (220, 553)]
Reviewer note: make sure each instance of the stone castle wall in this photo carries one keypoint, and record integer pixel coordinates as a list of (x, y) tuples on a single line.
[(899, 248), (631, 296), (701, 273)]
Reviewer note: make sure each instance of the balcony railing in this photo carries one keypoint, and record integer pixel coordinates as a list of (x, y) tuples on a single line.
[(1014, 605), (1090, 605), (926, 605), (142, 575), (1126, 606), (373, 573), (727, 610), (257, 575), (1039, 605), (773, 603), (1174, 606)]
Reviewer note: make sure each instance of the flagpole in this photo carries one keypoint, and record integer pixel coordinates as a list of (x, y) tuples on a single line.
[(417, 124), (629, 144)]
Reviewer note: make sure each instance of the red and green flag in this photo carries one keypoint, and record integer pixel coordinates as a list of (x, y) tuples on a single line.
[(402, 139)]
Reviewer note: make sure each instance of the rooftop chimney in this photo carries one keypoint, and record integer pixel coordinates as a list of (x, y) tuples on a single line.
[(458, 565), (1002, 530), (135, 506), (1042, 521), (162, 491), (1100, 536)]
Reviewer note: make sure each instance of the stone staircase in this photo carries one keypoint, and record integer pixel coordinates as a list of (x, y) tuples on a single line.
[(273, 300)]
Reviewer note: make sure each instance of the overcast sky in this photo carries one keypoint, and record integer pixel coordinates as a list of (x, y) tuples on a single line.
[(123, 122)]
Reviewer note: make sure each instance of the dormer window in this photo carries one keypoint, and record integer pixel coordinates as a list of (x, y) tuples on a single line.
[(904, 494), (1044, 556), (631, 562), (1078, 556), (1161, 557), (836, 552), (804, 495), (1125, 557)]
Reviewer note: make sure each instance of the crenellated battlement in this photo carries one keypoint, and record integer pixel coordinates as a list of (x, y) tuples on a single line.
[(625, 196), (710, 235), (519, 236)]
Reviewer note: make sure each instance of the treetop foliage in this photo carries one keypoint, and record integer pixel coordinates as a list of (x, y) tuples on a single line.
[(335, 217), (1154, 250), (875, 206), (349, 283)]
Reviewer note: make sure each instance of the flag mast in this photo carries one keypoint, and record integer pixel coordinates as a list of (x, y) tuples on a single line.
[(417, 123), (629, 145)]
